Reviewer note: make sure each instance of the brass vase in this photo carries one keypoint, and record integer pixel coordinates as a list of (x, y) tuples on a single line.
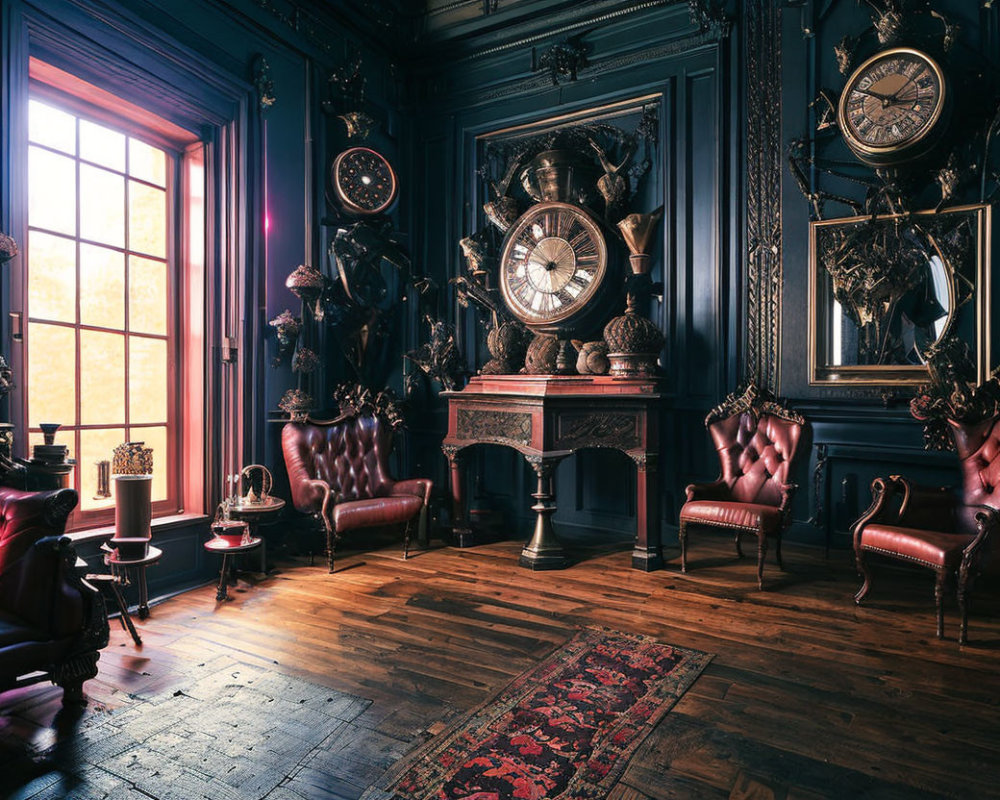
[(634, 341), (637, 231)]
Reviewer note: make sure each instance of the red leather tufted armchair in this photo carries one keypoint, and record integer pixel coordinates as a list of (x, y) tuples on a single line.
[(942, 529), (52, 622), (338, 471), (756, 439)]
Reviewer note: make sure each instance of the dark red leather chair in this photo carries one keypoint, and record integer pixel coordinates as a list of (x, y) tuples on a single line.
[(756, 439), (52, 623), (945, 530), (338, 471)]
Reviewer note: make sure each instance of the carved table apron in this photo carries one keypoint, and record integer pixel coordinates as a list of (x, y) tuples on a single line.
[(547, 418)]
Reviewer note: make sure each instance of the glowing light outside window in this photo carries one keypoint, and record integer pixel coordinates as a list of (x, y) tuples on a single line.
[(98, 293)]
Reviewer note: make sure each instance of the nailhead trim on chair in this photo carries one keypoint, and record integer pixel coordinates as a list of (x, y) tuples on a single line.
[(894, 554)]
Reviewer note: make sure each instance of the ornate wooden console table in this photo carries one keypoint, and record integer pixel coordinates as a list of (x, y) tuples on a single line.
[(547, 418)]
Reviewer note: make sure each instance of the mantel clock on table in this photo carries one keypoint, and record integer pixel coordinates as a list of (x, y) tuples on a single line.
[(559, 275)]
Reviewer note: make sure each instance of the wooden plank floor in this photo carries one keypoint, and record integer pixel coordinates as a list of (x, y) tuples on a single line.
[(807, 696)]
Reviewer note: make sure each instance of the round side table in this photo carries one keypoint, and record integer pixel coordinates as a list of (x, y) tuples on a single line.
[(229, 553), (120, 567), (263, 512)]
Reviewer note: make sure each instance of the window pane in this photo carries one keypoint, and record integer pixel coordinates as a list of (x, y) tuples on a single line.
[(147, 223), (147, 163), (102, 287), (102, 206), (102, 378), (102, 145), (147, 295), (51, 191), (147, 379), (96, 445), (157, 439), (51, 127), (51, 277), (51, 378)]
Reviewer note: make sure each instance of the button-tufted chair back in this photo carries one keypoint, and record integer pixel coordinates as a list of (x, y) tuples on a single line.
[(978, 447), (338, 471), (349, 454), (755, 451)]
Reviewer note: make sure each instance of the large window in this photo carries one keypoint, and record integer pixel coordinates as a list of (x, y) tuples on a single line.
[(100, 286)]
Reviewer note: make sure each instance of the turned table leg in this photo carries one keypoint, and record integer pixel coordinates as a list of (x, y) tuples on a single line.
[(143, 593), (544, 551), (648, 552), (461, 531)]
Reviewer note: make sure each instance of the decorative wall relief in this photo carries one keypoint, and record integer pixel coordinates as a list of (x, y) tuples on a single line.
[(438, 358), (557, 266), (8, 248), (563, 59), (263, 83), (953, 393), (762, 86)]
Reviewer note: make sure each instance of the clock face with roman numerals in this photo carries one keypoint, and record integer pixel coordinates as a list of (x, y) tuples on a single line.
[(553, 263), (892, 108)]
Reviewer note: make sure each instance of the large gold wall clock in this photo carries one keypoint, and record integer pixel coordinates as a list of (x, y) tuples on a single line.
[(553, 267), (894, 107), (363, 181)]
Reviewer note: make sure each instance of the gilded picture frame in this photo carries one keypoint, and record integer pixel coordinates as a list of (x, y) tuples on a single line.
[(882, 289)]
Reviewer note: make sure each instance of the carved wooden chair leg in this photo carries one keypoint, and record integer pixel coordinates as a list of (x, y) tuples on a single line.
[(863, 571), (73, 693), (682, 538), (407, 532), (967, 574), (761, 552), (939, 586), (422, 536), (331, 544), (739, 547)]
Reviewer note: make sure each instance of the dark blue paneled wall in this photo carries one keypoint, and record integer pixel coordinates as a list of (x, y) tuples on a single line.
[(488, 84)]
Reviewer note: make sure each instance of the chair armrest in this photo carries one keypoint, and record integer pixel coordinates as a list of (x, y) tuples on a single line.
[(987, 522), (45, 588), (883, 490), (420, 487), (318, 498), (716, 490), (927, 507), (787, 492)]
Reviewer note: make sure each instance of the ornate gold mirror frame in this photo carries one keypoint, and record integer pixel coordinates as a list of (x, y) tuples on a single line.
[(883, 289)]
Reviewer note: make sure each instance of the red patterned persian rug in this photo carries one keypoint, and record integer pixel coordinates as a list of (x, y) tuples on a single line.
[(564, 730)]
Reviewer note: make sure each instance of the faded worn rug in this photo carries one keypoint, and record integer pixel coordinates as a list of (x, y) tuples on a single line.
[(564, 730), (231, 732)]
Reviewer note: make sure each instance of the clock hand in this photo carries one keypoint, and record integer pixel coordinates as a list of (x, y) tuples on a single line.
[(885, 98)]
